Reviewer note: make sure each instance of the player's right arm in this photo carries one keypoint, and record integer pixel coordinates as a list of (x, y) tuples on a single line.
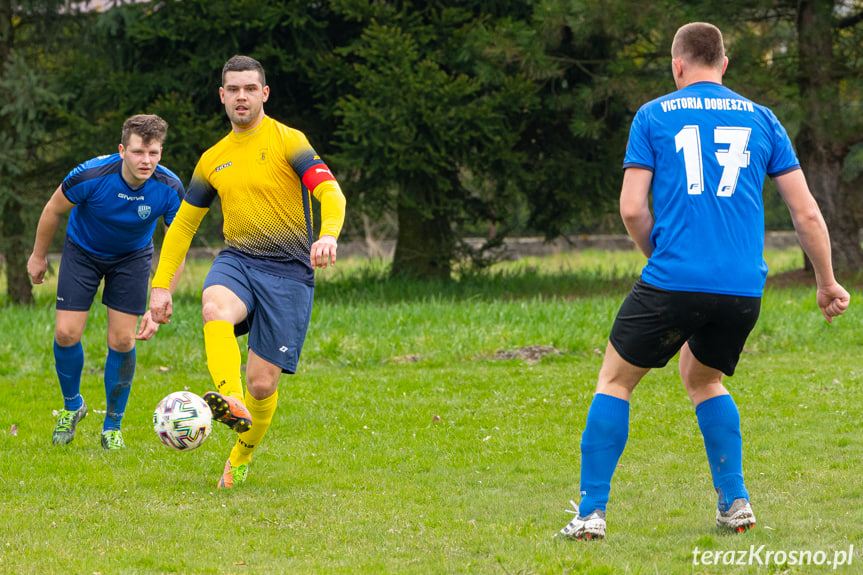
[(177, 240), (814, 238), (635, 207), (49, 221)]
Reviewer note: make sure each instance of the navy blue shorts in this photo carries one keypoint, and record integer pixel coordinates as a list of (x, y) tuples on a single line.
[(653, 324), (126, 279), (279, 309)]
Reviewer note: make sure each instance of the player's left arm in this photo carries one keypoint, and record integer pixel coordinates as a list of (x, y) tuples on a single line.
[(332, 200), (814, 238), (319, 179), (149, 327), (171, 257)]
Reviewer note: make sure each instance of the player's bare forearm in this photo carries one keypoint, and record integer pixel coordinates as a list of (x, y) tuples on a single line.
[(639, 230), (49, 221), (635, 207), (808, 223), (37, 264), (814, 238)]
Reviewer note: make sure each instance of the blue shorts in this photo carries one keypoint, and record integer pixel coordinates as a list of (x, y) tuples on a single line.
[(279, 309), (126, 279)]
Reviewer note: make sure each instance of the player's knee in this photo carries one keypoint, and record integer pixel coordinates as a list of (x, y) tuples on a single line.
[(211, 312), (66, 337), (261, 387), (122, 343)]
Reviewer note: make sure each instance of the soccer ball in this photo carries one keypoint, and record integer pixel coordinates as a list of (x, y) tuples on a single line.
[(183, 420)]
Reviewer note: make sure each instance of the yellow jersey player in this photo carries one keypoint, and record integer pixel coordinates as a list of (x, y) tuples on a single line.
[(262, 283)]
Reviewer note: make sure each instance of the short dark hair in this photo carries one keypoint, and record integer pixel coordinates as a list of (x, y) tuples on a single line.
[(700, 43), (149, 126), (243, 64)]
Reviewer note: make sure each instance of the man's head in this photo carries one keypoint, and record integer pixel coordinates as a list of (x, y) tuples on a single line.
[(243, 92), (150, 127), (698, 53), (141, 147), (243, 64)]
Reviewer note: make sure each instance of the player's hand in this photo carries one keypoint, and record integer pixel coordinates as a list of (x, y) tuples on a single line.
[(161, 305), (148, 327), (324, 252), (833, 300), (36, 267)]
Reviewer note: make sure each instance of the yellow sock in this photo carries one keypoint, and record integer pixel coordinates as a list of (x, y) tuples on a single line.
[(223, 358), (262, 411)]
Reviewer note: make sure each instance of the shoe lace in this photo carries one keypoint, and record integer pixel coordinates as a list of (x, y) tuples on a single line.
[(114, 440), (575, 512), (66, 419)]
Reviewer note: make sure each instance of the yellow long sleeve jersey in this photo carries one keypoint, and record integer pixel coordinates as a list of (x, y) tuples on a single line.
[(265, 179)]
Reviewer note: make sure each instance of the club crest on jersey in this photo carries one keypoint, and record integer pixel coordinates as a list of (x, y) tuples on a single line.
[(144, 212), (262, 157)]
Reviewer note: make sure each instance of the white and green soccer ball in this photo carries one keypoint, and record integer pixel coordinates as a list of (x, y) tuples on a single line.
[(183, 420)]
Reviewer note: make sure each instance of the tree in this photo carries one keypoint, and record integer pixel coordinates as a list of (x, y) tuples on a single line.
[(427, 125), (830, 78), (32, 104), (605, 64)]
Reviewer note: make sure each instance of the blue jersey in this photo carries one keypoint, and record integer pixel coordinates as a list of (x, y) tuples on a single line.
[(110, 218), (709, 150)]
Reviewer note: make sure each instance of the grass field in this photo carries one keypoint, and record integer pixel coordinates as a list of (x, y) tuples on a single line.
[(415, 440)]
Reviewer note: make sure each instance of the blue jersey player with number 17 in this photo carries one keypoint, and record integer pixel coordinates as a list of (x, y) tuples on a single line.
[(115, 203), (703, 152)]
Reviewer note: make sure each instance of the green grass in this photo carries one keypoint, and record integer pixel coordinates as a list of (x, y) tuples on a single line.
[(405, 446)]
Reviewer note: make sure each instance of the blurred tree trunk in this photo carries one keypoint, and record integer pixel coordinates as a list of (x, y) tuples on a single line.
[(425, 244), (12, 228), (16, 250), (828, 131)]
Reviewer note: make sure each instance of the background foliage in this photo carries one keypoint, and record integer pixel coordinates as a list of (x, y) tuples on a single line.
[(442, 119)]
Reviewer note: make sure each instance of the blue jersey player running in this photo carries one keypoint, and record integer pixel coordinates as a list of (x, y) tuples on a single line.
[(703, 152), (115, 202)]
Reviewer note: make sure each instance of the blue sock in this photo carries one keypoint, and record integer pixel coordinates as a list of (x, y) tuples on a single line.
[(602, 443), (69, 362), (719, 421), (119, 371)]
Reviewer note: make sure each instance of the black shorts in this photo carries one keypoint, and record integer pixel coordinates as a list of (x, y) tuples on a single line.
[(126, 279), (653, 324)]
